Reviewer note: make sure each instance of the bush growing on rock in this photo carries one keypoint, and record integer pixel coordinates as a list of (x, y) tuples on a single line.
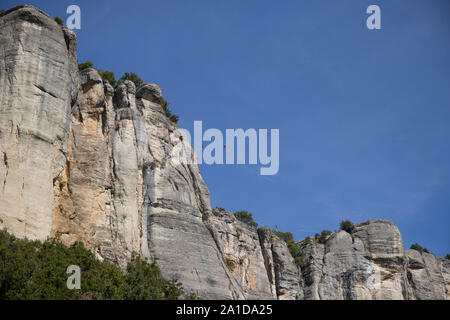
[(419, 248), (85, 65), (295, 252), (347, 226), (108, 76), (285, 236), (37, 270), (59, 21), (246, 217), (324, 235), (165, 106), (447, 256), (133, 77)]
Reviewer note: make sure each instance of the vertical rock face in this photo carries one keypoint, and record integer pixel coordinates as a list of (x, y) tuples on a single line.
[(82, 161), (120, 192), (37, 61), (282, 272), (365, 265), (239, 244), (427, 276)]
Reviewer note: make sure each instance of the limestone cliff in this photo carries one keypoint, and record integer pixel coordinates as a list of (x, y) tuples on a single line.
[(82, 161)]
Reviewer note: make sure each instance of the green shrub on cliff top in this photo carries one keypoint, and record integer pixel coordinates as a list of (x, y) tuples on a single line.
[(419, 248), (246, 217), (108, 76), (85, 65), (324, 235), (133, 77), (285, 236), (59, 21), (35, 270), (347, 226)]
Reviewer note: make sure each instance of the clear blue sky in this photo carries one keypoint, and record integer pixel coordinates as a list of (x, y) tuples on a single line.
[(364, 116)]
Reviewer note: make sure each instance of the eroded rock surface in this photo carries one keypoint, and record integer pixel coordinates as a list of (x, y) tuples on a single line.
[(37, 90), (83, 161)]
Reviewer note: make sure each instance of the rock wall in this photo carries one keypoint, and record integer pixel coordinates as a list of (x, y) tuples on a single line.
[(82, 161), (37, 90)]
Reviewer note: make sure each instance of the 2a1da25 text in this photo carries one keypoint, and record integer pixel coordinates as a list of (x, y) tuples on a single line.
[(237, 309)]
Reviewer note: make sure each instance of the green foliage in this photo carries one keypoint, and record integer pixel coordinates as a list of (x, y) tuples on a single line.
[(447, 256), (143, 281), (324, 235), (59, 21), (296, 253), (285, 236), (347, 226), (104, 74), (85, 65), (35, 270), (419, 248), (246, 217), (2, 12), (132, 77), (108, 76), (165, 106)]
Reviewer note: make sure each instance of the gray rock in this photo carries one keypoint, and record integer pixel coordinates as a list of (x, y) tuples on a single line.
[(239, 245), (38, 84), (282, 272), (89, 163), (150, 92), (365, 265), (427, 275)]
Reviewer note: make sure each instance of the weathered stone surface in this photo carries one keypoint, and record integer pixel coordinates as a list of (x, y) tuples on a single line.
[(37, 88), (365, 265), (80, 160), (428, 276), (149, 91), (239, 244), (282, 272)]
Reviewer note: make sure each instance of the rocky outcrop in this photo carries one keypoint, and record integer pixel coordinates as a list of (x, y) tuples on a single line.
[(367, 264), (239, 244), (37, 90), (82, 161), (428, 276), (370, 264), (283, 273)]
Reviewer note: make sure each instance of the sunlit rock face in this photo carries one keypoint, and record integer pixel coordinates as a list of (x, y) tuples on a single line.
[(37, 90), (83, 161), (367, 264)]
